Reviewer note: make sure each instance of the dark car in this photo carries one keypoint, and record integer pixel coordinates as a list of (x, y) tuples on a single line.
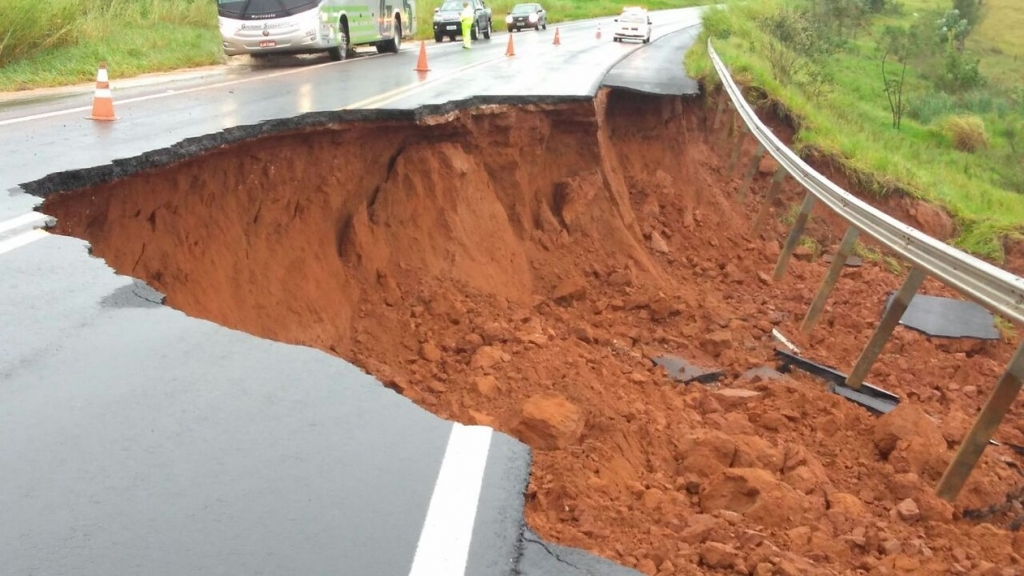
[(530, 15), (448, 20)]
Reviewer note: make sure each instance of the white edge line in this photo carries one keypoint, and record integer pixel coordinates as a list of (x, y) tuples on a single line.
[(187, 90), (22, 240), (23, 220), (402, 92), (378, 102), (443, 547)]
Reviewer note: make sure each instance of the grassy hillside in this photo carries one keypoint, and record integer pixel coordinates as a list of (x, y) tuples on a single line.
[(57, 42), (62, 41), (960, 140), (999, 40)]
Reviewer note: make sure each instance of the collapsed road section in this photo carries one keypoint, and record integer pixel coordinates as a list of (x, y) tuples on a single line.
[(520, 266)]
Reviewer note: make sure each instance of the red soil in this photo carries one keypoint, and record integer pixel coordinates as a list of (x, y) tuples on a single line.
[(518, 267)]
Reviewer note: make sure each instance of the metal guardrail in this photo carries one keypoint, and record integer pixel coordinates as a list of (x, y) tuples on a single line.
[(992, 287)]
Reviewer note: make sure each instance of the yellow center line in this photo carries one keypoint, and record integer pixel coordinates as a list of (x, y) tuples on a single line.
[(393, 95)]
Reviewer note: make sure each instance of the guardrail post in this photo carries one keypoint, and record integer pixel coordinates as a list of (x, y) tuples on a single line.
[(755, 162), (992, 414), (721, 108), (889, 321), (773, 192), (738, 148), (818, 304), (794, 235)]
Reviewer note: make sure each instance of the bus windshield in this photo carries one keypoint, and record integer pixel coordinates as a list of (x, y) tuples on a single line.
[(263, 8)]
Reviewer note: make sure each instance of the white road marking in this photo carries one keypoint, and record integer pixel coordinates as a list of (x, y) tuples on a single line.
[(22, 240), (387, 97), (23, 220), (447, 532), (185, 91)]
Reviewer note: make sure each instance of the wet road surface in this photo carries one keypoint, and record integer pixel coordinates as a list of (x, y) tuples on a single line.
[(137, 440)]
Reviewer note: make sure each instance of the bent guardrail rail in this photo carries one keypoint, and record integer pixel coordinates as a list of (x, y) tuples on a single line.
[(990, 286)]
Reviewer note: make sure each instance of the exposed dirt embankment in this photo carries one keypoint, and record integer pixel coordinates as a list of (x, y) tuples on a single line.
[(517, 267)]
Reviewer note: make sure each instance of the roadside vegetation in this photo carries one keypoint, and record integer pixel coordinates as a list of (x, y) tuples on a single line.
[(60, 42), (924, 97)]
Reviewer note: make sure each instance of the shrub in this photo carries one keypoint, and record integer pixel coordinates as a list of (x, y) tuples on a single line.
[(717, 22), (967, 132), (960, 71), (931, 105), (797, 49), (969, 10)]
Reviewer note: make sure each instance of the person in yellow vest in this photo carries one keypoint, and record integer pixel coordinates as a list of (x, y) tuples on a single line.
[(468, 15)]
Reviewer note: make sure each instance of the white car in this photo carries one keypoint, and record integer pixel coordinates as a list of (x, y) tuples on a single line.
[(633, 24)]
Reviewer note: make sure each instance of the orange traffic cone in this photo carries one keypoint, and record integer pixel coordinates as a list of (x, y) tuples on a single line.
[(598, 30), (558, 40), (421, 66), (511, 50), (102, 101)]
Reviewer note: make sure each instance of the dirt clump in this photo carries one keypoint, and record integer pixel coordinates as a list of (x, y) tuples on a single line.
[(521, 267), (550, 422)]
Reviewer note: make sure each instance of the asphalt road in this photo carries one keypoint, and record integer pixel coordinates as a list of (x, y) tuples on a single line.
[(137, 440)]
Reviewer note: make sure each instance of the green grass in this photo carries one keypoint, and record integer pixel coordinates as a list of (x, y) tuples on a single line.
[(59, 42), (851, 121), (999, 39)]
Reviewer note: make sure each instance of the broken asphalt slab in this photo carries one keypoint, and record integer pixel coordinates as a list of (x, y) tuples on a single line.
[(684, 371), (948, 318)]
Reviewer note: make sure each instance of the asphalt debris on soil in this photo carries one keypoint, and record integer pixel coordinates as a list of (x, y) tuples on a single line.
[(685, 372), (948, 318)]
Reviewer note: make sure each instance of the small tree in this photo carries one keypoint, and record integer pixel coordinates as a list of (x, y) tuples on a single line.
[(952, 29), (894, 92), (969, 10), (901, 44), (839, 19)]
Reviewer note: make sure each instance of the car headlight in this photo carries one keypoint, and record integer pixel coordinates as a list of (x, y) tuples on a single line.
[(508, 19), (533, 17)]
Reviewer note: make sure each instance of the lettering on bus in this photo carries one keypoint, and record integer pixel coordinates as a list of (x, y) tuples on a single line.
[(263, 26)]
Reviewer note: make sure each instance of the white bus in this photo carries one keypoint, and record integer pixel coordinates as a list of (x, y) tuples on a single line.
[(262, 27)]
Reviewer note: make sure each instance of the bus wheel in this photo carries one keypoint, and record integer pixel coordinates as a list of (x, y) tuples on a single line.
[(395, 44), (339, 52)]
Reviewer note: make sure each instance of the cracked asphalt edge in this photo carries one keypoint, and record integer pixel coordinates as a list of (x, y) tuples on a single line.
[(188, 148), (540, 558)]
